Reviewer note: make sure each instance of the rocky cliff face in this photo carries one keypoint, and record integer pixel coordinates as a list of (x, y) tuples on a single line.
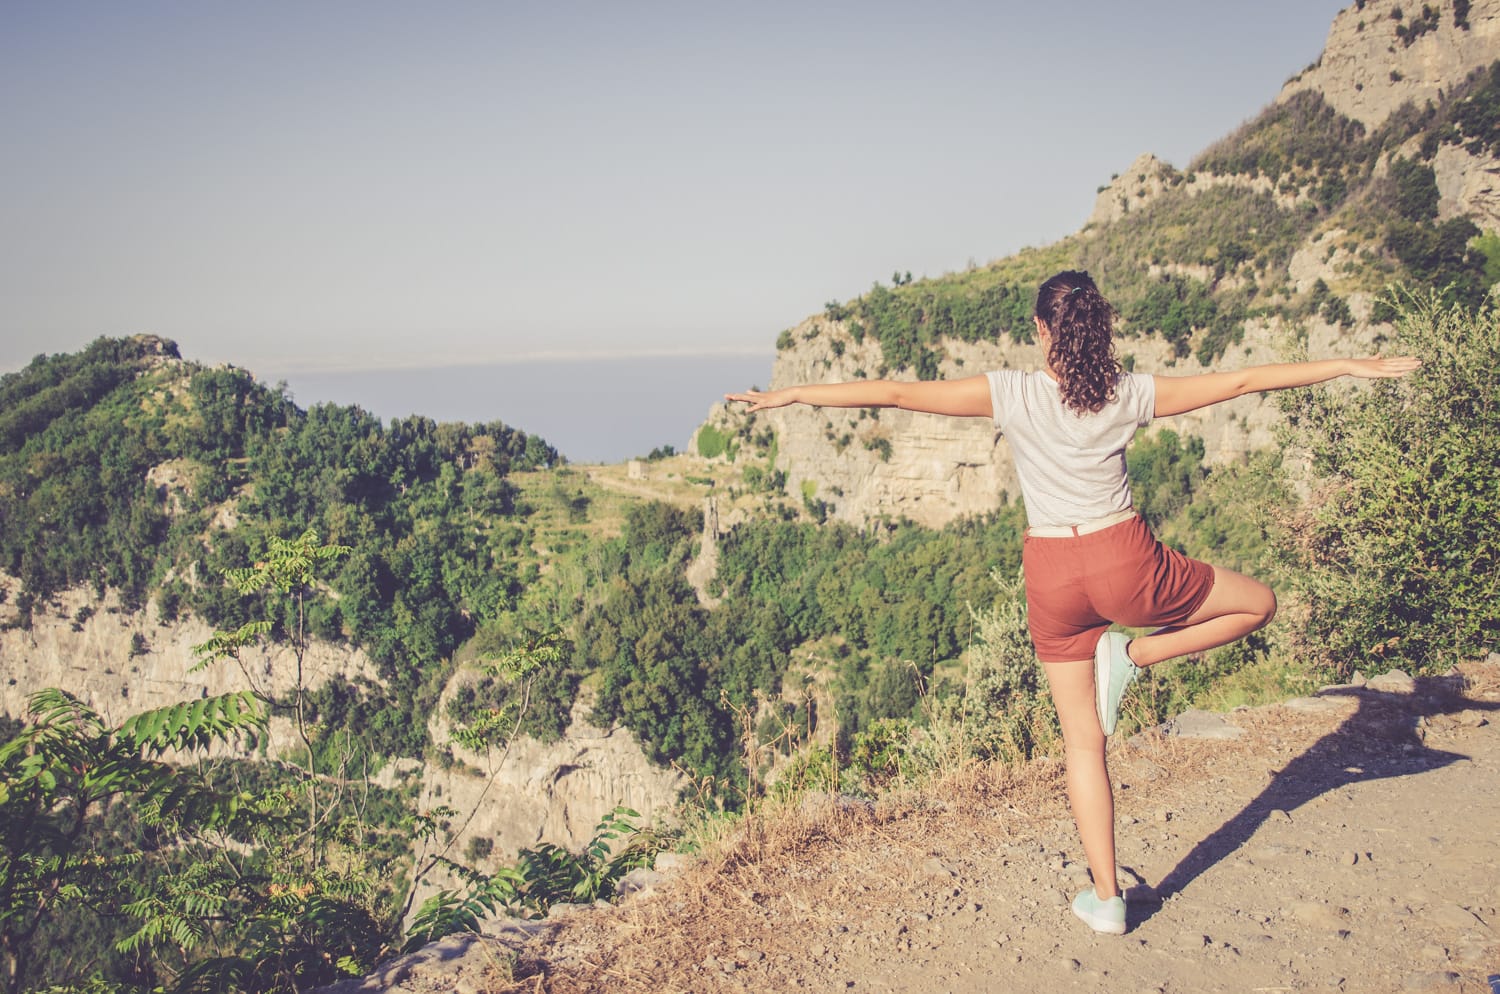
[(1382, 53), (122, 662), (1468, 186), (541, 792), (933, 470)]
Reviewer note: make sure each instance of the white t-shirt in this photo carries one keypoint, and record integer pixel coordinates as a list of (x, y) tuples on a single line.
[(1072, 466)]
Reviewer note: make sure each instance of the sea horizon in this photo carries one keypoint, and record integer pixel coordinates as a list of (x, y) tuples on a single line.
[(608, 409)]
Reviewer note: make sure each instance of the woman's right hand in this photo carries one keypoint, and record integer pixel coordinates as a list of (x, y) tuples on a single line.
[(761, 400)]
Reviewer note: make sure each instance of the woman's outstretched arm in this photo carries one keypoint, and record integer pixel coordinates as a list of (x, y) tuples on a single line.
[(1180, 394), (965, 398)]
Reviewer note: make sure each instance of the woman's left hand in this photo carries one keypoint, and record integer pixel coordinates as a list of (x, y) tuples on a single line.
[(1379, 368)]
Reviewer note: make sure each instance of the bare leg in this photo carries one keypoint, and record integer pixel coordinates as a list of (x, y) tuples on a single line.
[(1235, 607), (1089, 791)]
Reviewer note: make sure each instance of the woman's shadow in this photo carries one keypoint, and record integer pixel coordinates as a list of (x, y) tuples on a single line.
[(1382, 738)]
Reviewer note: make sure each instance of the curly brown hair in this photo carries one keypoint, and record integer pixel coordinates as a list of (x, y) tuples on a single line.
[(1082, 354)]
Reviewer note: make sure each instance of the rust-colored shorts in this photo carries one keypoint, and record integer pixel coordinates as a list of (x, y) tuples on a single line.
[(1077, 586)]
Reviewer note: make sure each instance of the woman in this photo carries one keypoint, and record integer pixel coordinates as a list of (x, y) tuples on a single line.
[(1089, 559)]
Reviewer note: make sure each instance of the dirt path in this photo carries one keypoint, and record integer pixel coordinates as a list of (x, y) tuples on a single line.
[(1349, 842)]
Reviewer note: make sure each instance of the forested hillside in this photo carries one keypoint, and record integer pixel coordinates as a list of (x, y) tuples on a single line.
[(130, 470), (124, 467)]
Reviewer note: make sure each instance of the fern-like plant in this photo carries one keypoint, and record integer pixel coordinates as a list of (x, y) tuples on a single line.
[(62, 770)]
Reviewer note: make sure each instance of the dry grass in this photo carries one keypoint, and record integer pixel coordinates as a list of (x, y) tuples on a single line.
[(787, 870), (1482, 681)]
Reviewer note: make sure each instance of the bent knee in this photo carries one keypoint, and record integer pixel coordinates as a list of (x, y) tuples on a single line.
[(1265, 606)]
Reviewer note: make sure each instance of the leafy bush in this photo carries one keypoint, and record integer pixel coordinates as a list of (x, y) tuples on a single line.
[(1228, 518), (1335, 310), (1006, 711), (1419, 25), (1397, 554), (1414, 190), (62, 771), (1478, 113), (713, 443), (881, 446), (1442, 257), (542, 877)]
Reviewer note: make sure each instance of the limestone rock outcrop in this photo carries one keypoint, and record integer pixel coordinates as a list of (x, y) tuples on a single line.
[(1141, 182), (1382, 53), (1468, 186), (546, 791), (121, 662), (705, 565), (890, 464)]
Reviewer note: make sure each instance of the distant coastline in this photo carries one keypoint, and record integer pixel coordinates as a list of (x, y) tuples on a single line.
[(603, 410)]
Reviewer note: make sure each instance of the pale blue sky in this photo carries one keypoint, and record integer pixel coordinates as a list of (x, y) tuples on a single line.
[(296, 187)]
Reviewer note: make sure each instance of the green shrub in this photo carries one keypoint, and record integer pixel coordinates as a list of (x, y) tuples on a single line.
[(713, 443), (1487, 247), (1335, 310), (1441, 257), (1006, 712), (1396, 555), (1415, 191), (878, 754)]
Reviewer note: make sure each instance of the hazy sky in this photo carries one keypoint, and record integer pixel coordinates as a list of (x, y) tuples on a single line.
[(338, 185)]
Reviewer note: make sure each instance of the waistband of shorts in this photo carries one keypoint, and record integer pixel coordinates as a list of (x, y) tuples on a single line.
[(1084, 528)]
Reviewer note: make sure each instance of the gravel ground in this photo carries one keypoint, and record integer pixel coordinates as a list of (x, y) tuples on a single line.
[(1346, 842)]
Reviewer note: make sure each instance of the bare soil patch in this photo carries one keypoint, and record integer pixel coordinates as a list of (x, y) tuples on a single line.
[(1345, 842)]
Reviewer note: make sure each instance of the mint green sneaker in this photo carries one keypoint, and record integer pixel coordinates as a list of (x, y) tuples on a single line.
[(1113, 672), (1101, 916)]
